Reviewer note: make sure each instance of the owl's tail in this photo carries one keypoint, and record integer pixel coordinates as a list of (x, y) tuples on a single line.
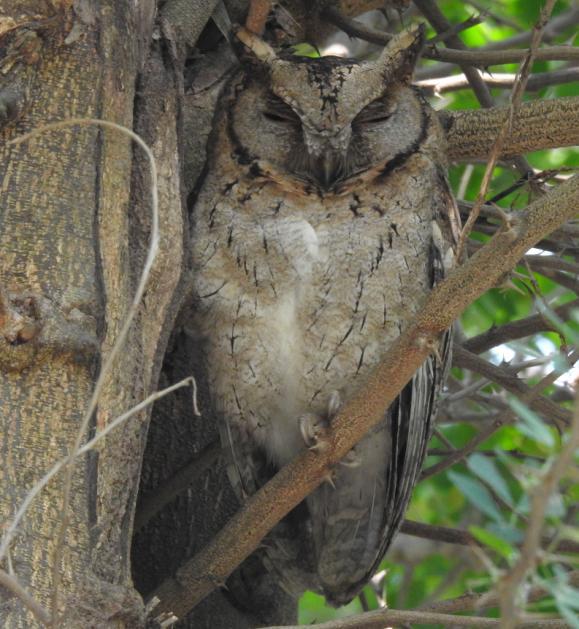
[(354, 524), (348, 521)]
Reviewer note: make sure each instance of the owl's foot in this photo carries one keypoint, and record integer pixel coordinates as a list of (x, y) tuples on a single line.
[(351, 459), (330, 478), (313, 429)]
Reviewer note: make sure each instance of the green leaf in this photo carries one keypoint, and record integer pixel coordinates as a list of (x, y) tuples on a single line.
[(493, 541), (477, 494), (509, 533), (561, 326), (489, 473), (531, 424), (569, 615), (566, 595)]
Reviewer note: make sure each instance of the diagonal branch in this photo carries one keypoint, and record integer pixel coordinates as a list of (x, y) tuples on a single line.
[(243, 533), (434, 15)]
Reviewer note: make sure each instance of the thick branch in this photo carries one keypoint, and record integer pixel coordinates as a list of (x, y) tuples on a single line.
[(243, 533), (538, 125)]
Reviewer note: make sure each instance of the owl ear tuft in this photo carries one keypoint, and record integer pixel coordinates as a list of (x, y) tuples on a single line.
[(399, 57), (254, 48)]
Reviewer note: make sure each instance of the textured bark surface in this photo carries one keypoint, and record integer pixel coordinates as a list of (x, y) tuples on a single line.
[(73, 239), (47, 239), (537, 125)]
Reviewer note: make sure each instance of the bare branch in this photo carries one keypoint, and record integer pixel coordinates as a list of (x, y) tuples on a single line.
[(464, 538), (378, 619), (487, 58), (511, 382), (479, 58), (517, 329), (537, 125), (536, 81), (13, 585), (441, 24)]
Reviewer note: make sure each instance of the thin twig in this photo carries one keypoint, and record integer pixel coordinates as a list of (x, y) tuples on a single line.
[(435, 16), (455, 29), (517, 329), (380, 618), (12, 584), (500, 80), (510, 382), (504, 418), (481, 57), (464, 538)]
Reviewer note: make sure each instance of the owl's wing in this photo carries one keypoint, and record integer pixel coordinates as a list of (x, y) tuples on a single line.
[(413, 412), (411, 416)]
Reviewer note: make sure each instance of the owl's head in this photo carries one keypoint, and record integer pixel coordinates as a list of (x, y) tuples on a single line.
[(327, 120)]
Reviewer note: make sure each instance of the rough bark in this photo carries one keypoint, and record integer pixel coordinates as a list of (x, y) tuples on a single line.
[(537, 125), (69, 253)]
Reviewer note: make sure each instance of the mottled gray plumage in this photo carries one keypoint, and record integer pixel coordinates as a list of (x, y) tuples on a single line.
[(323, 221)]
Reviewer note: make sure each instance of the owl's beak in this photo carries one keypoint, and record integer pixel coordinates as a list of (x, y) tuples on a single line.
[(327, 155), (327, 169)]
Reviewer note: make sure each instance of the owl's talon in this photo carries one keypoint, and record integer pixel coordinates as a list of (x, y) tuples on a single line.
[(312, 429), (334, 404)]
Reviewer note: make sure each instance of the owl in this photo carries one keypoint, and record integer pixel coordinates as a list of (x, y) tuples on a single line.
[(321, 223)]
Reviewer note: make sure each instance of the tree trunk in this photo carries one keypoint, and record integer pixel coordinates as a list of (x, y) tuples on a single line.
[(74, 232)]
